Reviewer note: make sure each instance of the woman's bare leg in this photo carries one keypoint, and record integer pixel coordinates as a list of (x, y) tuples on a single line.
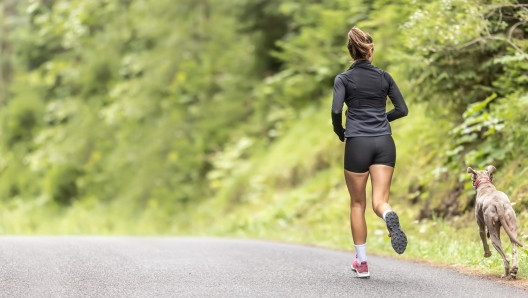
[(356, 184), (381, 177)]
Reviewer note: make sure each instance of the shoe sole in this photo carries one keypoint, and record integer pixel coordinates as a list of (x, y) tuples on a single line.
[(363, 275), (360, 275), (398, 238)]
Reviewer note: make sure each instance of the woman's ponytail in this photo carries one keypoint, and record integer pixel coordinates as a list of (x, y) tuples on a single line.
[(359, 44)]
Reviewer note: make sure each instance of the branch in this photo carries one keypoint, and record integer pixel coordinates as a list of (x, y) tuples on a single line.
[(478, 39), (487, 34), (500, 20), (508, 41), (524, 8), (513, 28), (507, 5), (486, 26), (492, 12), (490, 37)]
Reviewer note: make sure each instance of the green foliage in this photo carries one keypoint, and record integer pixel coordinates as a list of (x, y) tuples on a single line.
[(109, 99), (474, 49), (478, 124)]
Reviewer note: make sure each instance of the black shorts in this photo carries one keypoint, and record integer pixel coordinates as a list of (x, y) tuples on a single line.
[(362, 152)]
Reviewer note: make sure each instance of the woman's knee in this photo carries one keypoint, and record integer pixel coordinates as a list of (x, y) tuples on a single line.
[(381, 207), (375, 206), (358, 203)]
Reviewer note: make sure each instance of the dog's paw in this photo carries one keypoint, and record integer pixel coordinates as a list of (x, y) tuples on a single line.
[(506, 274), (487, 254)]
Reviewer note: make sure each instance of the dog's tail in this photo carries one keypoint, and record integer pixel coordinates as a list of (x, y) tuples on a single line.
[(505, 224)]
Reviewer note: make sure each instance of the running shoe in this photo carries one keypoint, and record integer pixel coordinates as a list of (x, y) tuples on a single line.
[(354, 264), (361, 269), (398, 238)]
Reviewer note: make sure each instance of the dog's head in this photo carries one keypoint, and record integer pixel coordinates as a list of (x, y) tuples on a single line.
[(476, 175)]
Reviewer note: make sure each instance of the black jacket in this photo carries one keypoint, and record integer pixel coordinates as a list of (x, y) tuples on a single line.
[(364, 88)]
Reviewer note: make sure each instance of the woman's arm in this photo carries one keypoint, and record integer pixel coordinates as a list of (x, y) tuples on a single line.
[(400, 108), (337, 107)]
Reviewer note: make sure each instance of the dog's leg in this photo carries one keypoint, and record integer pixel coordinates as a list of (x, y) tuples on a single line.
[(482, 233), (495, 240), (515, 260)]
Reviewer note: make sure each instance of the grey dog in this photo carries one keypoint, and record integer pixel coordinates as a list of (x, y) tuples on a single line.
[(493, 210)]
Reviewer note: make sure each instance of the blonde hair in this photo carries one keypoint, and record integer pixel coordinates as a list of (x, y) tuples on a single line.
[(359, 44)]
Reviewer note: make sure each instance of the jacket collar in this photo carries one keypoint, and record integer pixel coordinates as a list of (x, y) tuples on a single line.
[(360, 63)]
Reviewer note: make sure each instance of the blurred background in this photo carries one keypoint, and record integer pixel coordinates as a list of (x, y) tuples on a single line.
[(212, 117)]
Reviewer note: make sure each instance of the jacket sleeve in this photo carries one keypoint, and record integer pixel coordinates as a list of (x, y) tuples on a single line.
[(337, 107), (400, 107)]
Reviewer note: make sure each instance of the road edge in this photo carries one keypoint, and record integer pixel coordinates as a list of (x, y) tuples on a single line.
[(520, 283)]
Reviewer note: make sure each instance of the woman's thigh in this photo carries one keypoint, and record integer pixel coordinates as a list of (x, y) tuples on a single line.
[(356, 184), (381, 178)]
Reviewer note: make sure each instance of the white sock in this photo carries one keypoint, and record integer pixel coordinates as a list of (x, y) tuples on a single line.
[(385, 213), (361, 251)]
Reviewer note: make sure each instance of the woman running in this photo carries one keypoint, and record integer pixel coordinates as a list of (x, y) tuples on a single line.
[(369, 148)]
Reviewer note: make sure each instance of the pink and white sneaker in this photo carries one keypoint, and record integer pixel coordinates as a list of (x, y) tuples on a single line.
[(361, 269)]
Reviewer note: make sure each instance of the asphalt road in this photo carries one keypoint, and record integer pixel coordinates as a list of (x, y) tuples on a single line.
[(190, 267)]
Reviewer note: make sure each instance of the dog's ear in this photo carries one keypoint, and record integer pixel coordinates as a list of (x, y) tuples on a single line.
[(470, 170), (491, 169)]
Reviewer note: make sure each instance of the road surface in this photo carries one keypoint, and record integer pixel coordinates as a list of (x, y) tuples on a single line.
[(192, 267)]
